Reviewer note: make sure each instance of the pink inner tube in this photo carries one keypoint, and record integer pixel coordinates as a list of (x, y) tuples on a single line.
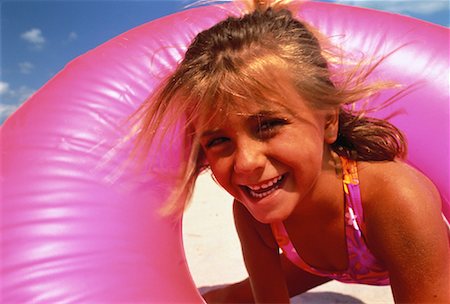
[(78, 226)]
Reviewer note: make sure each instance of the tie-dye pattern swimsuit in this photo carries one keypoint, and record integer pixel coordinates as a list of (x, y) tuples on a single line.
[(363, 267)]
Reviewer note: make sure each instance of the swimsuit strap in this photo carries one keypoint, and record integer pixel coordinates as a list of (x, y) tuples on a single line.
[(353, 205), (362, 265), (284, 242)]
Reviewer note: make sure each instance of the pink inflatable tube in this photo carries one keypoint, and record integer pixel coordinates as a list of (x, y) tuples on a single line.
[(77, 226)]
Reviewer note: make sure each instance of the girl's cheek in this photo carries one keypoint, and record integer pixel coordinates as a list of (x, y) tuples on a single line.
[(221, 170), (218, 169)]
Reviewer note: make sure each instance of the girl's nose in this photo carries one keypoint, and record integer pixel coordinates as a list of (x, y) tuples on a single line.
[(249, 156)]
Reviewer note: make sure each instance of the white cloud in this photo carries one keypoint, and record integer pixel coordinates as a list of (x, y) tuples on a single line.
[(12, 98), (6, 110), (405, 6), (71, 37), (4, 88), (15, 95), (26, 67), (23, 93), (35, 37)]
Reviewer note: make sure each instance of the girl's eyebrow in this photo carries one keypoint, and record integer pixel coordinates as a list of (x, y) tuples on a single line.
[(209, 133), (256, 116), (264, 114), (260, 114)]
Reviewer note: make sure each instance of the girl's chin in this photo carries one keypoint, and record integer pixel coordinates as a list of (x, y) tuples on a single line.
[(270, 211), (269, 218), (272, 207)]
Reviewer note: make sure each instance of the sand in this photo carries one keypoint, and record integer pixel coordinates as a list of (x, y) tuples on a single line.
[(214, 257)]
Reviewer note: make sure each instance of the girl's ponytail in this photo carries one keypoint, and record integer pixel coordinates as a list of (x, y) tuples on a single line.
[(367, 138)]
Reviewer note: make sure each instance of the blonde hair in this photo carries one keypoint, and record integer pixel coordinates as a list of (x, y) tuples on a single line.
[(225, 70)]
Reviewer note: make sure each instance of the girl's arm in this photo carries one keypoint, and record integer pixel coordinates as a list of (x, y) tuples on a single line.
[(261, 257), (406, 231)]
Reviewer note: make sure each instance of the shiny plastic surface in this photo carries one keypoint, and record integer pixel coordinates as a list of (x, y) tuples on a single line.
[(78, 225)]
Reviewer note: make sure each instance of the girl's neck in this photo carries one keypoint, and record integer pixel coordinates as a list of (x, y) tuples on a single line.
[(326, 197)]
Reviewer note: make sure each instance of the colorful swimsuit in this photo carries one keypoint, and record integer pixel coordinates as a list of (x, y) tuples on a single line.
[(363, 267)]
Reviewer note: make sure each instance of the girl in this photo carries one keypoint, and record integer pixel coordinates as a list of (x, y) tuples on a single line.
[(268, 114)]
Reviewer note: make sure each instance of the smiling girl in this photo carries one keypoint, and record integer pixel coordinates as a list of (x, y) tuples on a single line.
[(264, 111)]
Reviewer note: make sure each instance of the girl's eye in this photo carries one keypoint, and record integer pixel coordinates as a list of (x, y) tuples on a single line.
[(215, 142), (268, 128)]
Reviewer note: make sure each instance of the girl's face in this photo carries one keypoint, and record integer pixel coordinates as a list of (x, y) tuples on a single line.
[(269, 159)]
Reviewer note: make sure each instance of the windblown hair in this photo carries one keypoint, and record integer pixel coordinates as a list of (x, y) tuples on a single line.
[(246, 60)]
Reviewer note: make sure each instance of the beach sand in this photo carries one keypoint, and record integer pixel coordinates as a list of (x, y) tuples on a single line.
[(214, 256)]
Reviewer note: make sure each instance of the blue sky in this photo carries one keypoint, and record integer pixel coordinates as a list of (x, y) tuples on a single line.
[(39, 37)]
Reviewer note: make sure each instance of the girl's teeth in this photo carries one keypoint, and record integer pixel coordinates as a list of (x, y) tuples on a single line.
[(261, 195), (267, 185), (254, 187)]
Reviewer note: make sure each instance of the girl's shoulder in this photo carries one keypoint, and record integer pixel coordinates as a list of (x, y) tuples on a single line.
[(403, 225), (394, 182), (397, 200)]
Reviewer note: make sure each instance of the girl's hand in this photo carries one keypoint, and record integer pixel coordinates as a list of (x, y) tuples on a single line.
[(215, 296), (273, 278), (240, 292), (261, 257)]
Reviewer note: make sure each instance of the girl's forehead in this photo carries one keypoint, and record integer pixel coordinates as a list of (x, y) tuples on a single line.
[(248, 98), (244, 111)]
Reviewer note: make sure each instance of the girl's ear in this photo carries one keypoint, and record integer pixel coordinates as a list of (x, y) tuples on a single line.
[(331, 126)]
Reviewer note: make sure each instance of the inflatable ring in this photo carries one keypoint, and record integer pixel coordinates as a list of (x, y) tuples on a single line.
[(76, 229)]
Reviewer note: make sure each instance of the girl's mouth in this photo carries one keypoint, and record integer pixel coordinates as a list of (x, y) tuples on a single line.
[(266, 188)]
